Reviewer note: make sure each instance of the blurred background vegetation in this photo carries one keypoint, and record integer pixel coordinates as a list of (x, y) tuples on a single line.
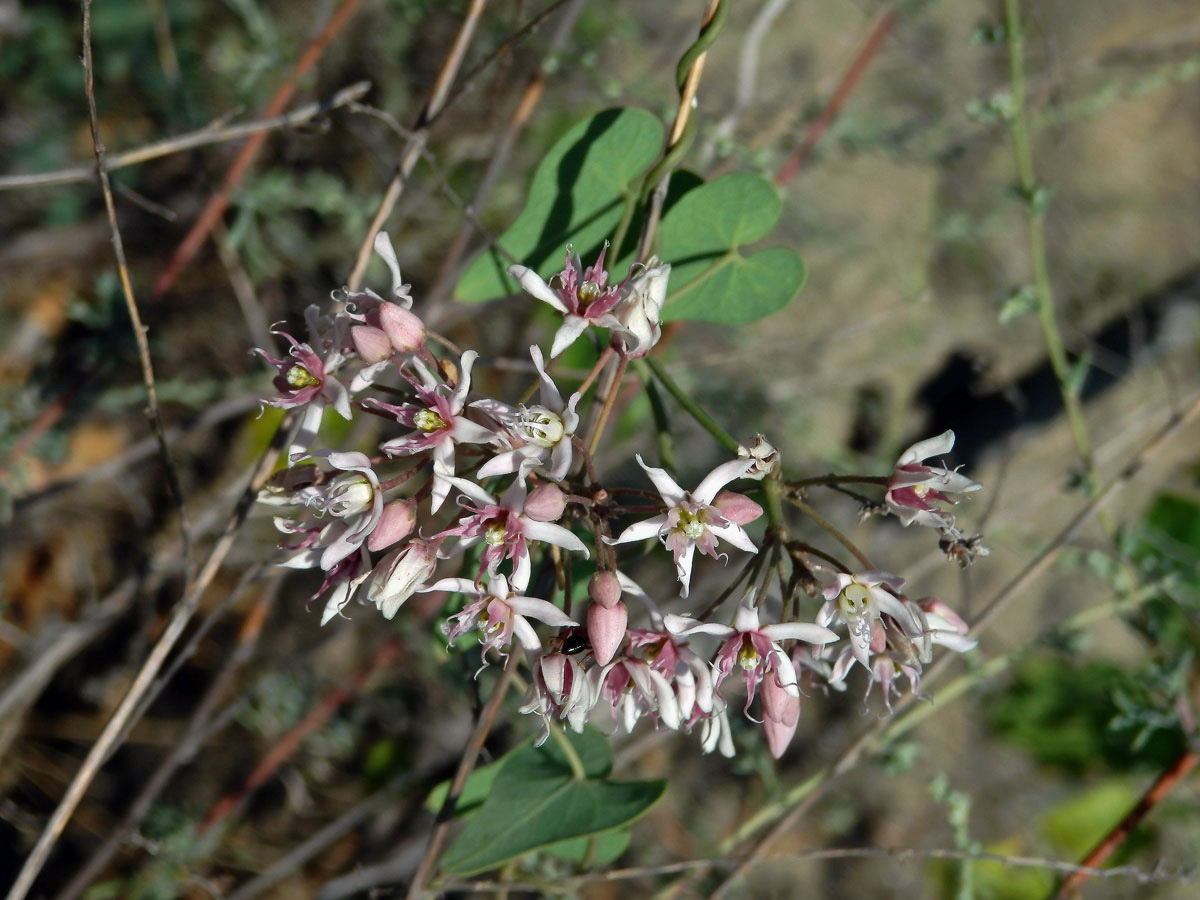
[(916, 317)]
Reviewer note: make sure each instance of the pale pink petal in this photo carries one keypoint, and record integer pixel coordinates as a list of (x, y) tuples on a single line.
[(667, 487), (640, 531), (800, 631), (553, 534), (570, 330), (706, 490), (934, 446), (532, 284), (542, 610), (735, 535)]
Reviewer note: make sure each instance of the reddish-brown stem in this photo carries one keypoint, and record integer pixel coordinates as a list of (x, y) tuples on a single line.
[(1162, 786), (466, 764), (870, 47), (595, 372), (609, 401), (217, 204), (283, 750)]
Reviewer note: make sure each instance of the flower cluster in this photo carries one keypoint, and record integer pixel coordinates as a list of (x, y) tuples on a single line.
[(530, 511)]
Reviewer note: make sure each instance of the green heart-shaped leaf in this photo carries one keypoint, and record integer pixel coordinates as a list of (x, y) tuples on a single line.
[(710, 280), (577, 196), (537, 800)]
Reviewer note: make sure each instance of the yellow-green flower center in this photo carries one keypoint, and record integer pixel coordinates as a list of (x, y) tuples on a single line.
[(747, 656), (854, 600), (692, 524), (587, 292), (495, 534), (921, 490), (542, 427), (428, 420), (299, 377)]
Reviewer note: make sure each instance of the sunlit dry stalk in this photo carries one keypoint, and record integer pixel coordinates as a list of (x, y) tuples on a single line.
[(416, 144), (211, 134), (787, 810), (219, 202)]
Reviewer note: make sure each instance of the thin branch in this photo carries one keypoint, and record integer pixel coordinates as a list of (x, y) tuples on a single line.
[(139, 330), (900, 854), (291, 862), (126, 711), (1163, 785), (803, 796), (219, 202), (290, 742), (215, 133), (446, 814), (862, 60), (416, 144), (185, 748)]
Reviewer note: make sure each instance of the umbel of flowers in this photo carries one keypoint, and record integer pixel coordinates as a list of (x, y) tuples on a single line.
[(528, 500)]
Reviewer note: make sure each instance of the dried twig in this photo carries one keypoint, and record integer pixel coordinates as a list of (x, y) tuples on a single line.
[(862, 60), (195, 238), (801, 798), (1139, 876), (466, 764), (334, 831), (135, 317), (215, 133), (502, 150), (185, 748), (126, 712), (290, 742), (416, 144)]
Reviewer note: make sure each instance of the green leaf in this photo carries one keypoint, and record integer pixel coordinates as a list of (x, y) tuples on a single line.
[(608, 847), (578, 194), (536, 801), (700, 237), (475, 791)]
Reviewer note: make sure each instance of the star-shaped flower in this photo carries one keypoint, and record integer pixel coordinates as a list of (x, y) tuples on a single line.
[(913, 488), (693, 520)]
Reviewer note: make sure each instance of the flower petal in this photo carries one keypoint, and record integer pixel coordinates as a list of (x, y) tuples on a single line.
[(532, 284), (934, 446), (667, 487), (640, 531), (706, 491), (542, 610), (570, 330)]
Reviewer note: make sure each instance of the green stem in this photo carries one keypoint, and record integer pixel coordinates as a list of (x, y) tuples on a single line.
[(1036, 211), (881, 480), (772, 503), (829, 526), (922, 711), (568, 749), (690, 406)]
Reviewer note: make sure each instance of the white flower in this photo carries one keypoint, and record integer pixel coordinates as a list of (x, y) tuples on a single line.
[(692, 519), (913, 486), (638, 311), (535, 435), (858, 601)]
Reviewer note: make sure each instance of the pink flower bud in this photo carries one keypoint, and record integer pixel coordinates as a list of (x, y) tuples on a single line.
[(936, 607), (781, 713), (399, 574), (405, 329), (737, 508), (545, 503), (605, 589), (371, 343), (606, 630), (395, 524)]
